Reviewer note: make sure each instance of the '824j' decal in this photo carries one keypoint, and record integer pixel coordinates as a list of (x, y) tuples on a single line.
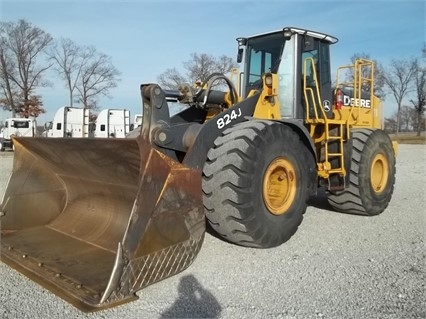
[(228, 118)]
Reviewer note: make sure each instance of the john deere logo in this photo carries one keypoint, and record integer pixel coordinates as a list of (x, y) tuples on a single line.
[(326, 105), (350, 101)]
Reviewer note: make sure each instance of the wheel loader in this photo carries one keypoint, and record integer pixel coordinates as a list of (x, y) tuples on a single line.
[(96, 220)]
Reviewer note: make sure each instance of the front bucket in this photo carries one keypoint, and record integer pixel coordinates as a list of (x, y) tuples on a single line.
[(94, 221)]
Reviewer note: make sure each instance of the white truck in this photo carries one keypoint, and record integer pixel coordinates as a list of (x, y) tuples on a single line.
[(16, 127), (112, 123), (69, 122)]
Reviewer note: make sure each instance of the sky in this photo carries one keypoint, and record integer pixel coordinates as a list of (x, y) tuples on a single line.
[(145, 38)]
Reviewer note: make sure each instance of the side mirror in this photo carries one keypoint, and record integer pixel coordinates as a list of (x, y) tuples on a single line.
[(48, 125), (308, 43), (240, 55)]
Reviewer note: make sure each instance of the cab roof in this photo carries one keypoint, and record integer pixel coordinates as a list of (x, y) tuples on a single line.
[(315, 34)]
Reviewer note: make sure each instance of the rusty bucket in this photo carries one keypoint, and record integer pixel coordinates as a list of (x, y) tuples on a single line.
[(95, 220)]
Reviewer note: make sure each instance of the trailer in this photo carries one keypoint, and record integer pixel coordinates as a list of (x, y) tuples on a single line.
[(112, 123), (69, 122)]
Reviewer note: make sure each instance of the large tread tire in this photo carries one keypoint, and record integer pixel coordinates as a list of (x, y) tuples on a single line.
[(372, 175), (234, 189)]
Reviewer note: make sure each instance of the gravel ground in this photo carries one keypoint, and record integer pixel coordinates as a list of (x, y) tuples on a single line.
[(335, 266)]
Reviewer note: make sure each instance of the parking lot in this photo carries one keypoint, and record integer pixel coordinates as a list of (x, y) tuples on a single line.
[(335, 266)]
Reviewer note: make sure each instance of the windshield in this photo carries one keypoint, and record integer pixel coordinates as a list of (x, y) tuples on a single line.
[(21, 124), (263, 56)]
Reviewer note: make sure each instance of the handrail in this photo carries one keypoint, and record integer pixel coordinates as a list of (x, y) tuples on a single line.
[(306, 88)]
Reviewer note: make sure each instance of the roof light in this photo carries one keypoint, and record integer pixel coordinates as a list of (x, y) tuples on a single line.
[(287, 33), (242, 41)]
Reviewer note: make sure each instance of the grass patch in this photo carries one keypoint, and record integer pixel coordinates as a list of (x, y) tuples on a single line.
[(409, 138)]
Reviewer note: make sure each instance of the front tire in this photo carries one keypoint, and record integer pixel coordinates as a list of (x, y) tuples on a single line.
[(256, 183), (372, 175)]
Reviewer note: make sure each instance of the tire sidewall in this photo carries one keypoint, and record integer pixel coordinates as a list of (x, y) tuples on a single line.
[(378, 143), (267, 151), (233, 183)]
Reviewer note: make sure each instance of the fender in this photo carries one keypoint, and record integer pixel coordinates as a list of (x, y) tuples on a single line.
[(298, 127)]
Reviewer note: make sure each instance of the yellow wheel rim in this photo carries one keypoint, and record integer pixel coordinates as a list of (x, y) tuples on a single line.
[(279, 186), (379, 173)]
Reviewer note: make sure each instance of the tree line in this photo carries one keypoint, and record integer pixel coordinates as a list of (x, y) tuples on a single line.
[(27, 52), (406, 78), (88, 74)]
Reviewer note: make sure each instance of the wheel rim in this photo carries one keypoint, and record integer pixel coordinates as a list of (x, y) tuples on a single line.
[(279, 186), (379, 173)]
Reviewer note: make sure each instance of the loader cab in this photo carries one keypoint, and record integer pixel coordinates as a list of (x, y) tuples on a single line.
[(300, 58)]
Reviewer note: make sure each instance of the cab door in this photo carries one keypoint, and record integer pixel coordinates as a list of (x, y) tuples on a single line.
[(316, 77)]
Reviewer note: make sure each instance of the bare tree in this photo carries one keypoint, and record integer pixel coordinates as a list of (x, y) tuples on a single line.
[(171, 79), (21, 46), (419, 75), (84, 70), (390, 124), (398, 78), (98, 75), (203, 65), (9, 90), (198, 68), (68, 63), (406, 118)]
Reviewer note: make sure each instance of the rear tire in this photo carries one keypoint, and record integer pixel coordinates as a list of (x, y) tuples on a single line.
[(372, 175), (256, 183)]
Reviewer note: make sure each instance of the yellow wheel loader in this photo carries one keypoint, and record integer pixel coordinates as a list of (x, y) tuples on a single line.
[(96, 220)]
